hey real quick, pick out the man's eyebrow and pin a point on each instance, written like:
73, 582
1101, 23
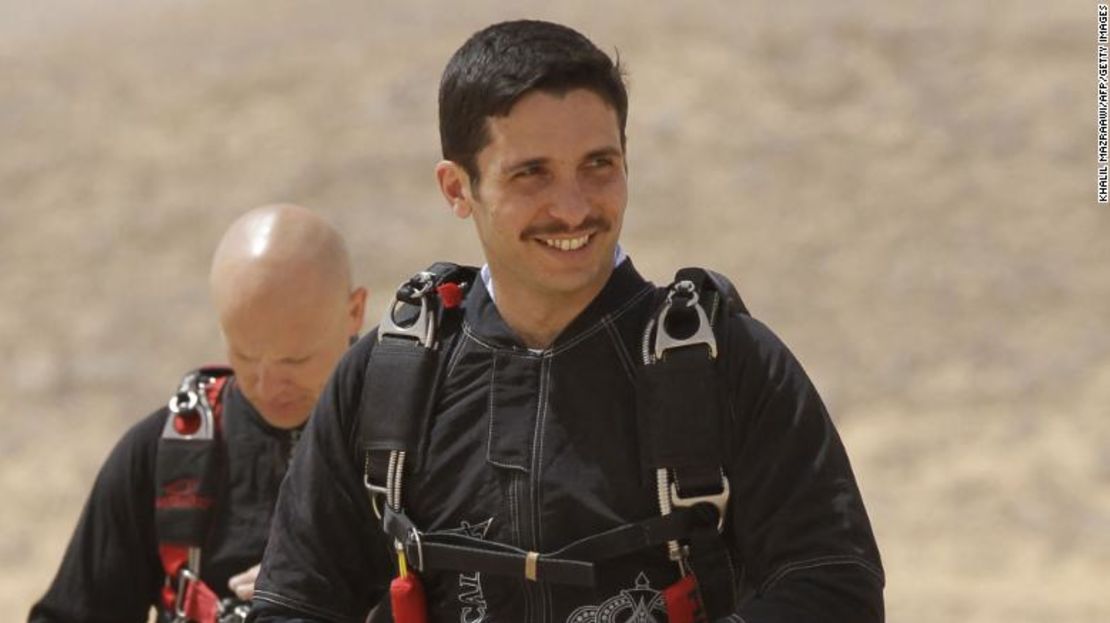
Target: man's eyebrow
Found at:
607, 151
525, 163
610, 151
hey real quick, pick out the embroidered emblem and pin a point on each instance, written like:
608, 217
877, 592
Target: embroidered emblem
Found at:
641, 604
471, 599
183, 493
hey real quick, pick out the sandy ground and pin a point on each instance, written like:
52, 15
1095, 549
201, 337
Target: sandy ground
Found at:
904, 191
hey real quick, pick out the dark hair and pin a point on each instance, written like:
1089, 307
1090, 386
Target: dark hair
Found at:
500, 64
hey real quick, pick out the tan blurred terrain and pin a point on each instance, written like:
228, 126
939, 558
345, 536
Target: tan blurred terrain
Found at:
904, 192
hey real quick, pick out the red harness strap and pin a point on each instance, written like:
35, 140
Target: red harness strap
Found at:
199, 604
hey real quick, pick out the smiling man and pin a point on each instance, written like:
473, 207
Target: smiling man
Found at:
280, 281
564, 441
548, 209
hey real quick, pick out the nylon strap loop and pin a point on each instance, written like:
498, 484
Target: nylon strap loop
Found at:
530, 561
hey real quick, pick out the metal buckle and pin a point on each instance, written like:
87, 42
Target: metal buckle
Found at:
423, 328
376, 493
419, 550
233, 611
183, 401
190, 396
664, 341
719, 500
425, 280
185, 577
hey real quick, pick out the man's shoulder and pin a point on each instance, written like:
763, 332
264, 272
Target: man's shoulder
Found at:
342, 396
129, 466
758, 354
143, 435
750, 339
749, 330
138, 446
357, 356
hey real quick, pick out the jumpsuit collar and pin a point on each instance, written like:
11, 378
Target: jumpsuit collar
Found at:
236, 402
487, 325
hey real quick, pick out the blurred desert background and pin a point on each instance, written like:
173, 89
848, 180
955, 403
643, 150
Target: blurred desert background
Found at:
904, 191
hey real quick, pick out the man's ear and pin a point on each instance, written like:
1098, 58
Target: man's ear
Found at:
454, 184
356, 311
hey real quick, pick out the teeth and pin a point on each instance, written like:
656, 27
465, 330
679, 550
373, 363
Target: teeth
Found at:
567, 244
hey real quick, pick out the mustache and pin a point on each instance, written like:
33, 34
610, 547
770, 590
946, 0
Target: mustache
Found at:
592, 223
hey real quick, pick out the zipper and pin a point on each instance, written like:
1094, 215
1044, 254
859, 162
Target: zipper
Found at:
294, 437
535, 590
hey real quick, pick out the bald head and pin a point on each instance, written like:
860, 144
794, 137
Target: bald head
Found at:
278, 247
281, 285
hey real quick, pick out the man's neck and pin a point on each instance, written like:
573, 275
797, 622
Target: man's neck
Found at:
538, 318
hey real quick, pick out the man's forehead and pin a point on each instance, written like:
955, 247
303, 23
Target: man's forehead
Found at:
278, 333
542, 122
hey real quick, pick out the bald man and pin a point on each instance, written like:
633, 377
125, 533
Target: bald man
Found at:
281, 286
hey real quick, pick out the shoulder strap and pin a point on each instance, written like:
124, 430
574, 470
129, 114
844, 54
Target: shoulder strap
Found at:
403, 374
187, 483
683, 424
716, 291
680, 396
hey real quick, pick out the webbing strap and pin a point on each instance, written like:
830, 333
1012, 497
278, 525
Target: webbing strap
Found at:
629, 538
710, 564
198, 603
187, 480
399, 379
186, 468
684, 425
403, 372
173, 558
574, 564
680, 416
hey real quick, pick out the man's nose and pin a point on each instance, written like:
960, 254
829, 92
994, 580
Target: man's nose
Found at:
271, 379
570, 205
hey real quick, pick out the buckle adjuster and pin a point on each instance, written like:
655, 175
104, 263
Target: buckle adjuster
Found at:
718, 500
417, 562
185, 578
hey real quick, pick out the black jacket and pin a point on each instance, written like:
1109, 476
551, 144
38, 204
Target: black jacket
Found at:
539, 449
111, 571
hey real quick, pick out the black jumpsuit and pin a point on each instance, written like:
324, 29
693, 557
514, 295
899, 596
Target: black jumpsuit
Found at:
111, 571
539, 449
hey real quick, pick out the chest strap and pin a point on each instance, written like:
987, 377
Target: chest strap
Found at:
573, 565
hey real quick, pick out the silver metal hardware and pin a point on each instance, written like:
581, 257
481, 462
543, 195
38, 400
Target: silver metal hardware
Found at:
719, 500
664, 341
423, 328
190, 397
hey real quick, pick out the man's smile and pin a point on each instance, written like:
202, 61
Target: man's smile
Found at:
567, 244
